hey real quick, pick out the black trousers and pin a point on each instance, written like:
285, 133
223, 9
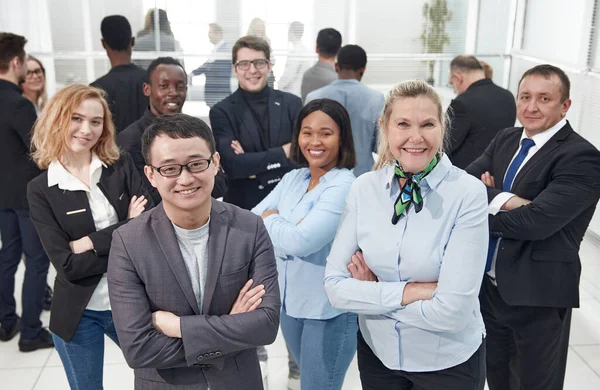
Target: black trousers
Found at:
374, 375
18, 236
526, 346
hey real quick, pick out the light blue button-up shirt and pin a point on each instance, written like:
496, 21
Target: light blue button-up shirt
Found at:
364, 105
446, 243
302, 234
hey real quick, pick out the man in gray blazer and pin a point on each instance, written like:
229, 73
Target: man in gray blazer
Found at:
193, 282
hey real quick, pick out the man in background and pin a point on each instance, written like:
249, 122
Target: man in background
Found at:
297, 62
329, 42
18, 235
364, 104
478, 113
217, 69
124, 82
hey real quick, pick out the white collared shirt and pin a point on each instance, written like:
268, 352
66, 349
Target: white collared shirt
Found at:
103, 213
496, 204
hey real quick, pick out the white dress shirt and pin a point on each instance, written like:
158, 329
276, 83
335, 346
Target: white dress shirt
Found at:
503, 197
103, 213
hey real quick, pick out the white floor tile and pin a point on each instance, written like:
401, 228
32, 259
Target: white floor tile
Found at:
579, 375
585, 325
11, 357
590, 355
19, 378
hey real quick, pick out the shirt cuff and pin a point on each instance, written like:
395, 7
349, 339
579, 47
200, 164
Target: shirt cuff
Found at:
497, 203
391, 294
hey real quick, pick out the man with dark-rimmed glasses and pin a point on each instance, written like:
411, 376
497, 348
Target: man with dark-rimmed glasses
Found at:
193, 283
253, 126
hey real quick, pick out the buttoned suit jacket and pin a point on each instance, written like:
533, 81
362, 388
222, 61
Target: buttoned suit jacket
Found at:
147, 273
538, 257
255, 173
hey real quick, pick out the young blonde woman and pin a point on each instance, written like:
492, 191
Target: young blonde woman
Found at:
87, 190
410, 253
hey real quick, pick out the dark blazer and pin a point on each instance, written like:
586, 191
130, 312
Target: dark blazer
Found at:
17, 116
476, 117
255, 173
123, 85
538, 257
54, 213
147, 273
218, 77
130, 140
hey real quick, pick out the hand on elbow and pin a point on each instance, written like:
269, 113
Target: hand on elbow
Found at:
82, 245
359, 269
515, 202
248, 299
167, 323
415, 291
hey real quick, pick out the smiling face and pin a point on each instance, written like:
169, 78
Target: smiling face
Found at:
252, 79
319, 140
188, 191
539, 103
34, 79
167, 89
87, 124
414, 132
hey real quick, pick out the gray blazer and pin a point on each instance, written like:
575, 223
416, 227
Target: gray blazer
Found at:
146, 273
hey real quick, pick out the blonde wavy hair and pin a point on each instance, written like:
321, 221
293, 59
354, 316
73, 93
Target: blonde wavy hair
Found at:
406, 89
49, 140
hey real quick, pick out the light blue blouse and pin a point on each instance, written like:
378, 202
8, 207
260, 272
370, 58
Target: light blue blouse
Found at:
446, 243
302, 234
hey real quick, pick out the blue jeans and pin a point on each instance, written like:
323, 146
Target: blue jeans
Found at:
19, 236
323, 349
83, 356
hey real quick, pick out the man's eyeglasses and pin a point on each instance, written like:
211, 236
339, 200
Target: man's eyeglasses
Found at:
258, 64
38, 72
174, 170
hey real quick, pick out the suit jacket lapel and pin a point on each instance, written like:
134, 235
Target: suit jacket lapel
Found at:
275, 102
504, 158
548, 147
217, 239
248, 126
165, 235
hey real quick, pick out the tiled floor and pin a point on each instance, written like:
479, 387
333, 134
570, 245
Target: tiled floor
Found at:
42, 370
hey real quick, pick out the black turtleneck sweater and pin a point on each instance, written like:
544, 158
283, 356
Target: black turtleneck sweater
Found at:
259, 105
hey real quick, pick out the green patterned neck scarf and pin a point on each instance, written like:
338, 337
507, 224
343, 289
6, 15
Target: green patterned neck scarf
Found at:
411, 190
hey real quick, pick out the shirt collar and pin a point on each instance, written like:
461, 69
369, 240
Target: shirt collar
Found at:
326, 177
430, 181
219, 44
66, 181
541, 138
345, 81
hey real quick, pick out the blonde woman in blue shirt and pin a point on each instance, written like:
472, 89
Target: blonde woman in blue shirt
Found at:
302, 215
410, 253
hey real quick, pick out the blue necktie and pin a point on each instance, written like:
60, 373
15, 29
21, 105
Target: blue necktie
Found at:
526, 144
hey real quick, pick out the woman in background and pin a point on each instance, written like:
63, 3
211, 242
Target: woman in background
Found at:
34, 86
86, 192
302, 214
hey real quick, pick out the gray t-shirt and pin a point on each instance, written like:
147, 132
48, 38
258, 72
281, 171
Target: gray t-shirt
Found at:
320, 75
194, 249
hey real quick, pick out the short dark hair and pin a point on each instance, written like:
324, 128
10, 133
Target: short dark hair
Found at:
337, 112
176, 126
329, 41
352, 57
547, 71
466, 63
162, 61
251, 42
116, 32
11, 46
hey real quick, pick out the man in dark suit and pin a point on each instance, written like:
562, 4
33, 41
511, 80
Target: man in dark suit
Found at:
480, 110
253, 126
167, 90
217, 69
123, 84
180, 274
18, 235
543, 184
